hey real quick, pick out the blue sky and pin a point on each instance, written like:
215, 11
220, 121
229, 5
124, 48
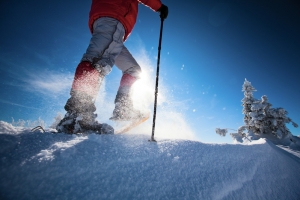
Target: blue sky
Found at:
208, 49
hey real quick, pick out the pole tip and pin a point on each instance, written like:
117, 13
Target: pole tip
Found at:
152, 139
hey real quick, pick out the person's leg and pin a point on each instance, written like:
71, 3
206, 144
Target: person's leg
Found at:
131, 72
106, 43
127, 64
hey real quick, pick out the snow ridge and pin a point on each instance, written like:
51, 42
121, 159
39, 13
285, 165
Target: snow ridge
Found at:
59, 166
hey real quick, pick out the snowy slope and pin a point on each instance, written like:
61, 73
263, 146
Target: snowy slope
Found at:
56, 166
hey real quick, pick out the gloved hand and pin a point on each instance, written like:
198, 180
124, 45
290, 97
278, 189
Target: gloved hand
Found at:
163, 11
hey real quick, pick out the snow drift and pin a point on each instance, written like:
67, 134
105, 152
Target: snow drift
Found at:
38, 165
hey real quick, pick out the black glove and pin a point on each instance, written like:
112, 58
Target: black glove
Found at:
163, 11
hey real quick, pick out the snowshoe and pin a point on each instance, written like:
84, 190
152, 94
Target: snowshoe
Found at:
73, 124
127, 126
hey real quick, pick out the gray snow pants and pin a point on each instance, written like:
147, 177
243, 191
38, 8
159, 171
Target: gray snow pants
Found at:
106, 48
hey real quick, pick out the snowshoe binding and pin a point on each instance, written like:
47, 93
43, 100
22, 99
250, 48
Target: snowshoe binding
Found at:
73, 124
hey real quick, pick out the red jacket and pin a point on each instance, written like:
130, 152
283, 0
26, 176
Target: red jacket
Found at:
125, 11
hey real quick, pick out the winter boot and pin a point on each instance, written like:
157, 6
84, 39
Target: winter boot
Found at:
80, 107
80, 112
124, 110
80, 117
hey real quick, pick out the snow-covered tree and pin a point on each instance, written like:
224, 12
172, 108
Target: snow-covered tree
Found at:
260, 119
248, 100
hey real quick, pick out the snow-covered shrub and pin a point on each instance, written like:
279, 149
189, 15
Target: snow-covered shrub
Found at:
7, 128
57, 119
221, 132
28, 124
260, 119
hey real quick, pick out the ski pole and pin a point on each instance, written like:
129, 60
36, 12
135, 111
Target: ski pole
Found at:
157, 76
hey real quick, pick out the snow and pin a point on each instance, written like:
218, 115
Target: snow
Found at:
37, 165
